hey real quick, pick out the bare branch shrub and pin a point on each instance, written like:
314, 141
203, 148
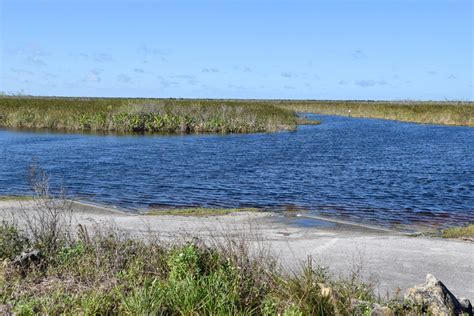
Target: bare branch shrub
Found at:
48, 219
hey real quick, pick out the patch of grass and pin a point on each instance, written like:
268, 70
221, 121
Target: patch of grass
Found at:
428, 112
144, 115
306, 121
199, 211
459, 232
15, 198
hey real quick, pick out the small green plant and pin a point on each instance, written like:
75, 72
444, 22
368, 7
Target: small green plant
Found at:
12, 241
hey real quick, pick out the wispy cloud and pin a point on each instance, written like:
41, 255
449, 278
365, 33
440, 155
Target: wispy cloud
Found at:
342, 82
166, 83
93, 76
35, 60
214, 70
286, 74
236, 87
97, 57
359, 54
153, 52
432, 72
20, 71
451, 76
49, 75
243, 69
370, 83
147, 50
30, 54
189, 79
184, 76
139, 70
124, 78
289, 87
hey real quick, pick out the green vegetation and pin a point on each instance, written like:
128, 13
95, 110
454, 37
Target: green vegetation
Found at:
447, 113
305, 121
144, 115
209, 116
104, 272
200, 211
459, 232
15, 198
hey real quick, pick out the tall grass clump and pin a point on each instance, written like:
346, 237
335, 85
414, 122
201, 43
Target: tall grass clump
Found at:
143, 115
466, 232
429, 112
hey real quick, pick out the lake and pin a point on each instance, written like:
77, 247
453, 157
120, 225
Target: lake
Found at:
366, 170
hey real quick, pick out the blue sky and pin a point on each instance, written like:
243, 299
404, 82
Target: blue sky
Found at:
406, 49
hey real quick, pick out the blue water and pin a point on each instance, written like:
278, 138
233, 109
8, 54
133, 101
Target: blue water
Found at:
377, 171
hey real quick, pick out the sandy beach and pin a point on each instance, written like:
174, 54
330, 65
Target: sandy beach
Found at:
391, 258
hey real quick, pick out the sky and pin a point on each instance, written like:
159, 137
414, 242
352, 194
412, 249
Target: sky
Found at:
387, 50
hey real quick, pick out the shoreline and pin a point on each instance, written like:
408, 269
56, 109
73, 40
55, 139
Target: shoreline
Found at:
319, 221
394, 259
97, 208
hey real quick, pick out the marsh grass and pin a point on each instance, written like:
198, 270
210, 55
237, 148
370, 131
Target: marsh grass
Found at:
303, 120
459, 232
143, 115
200, 211
209, 116
428, 112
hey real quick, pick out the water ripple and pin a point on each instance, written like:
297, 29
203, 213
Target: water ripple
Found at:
383, 172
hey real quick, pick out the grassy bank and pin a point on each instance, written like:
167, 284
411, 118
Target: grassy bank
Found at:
144, 115
446, 113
